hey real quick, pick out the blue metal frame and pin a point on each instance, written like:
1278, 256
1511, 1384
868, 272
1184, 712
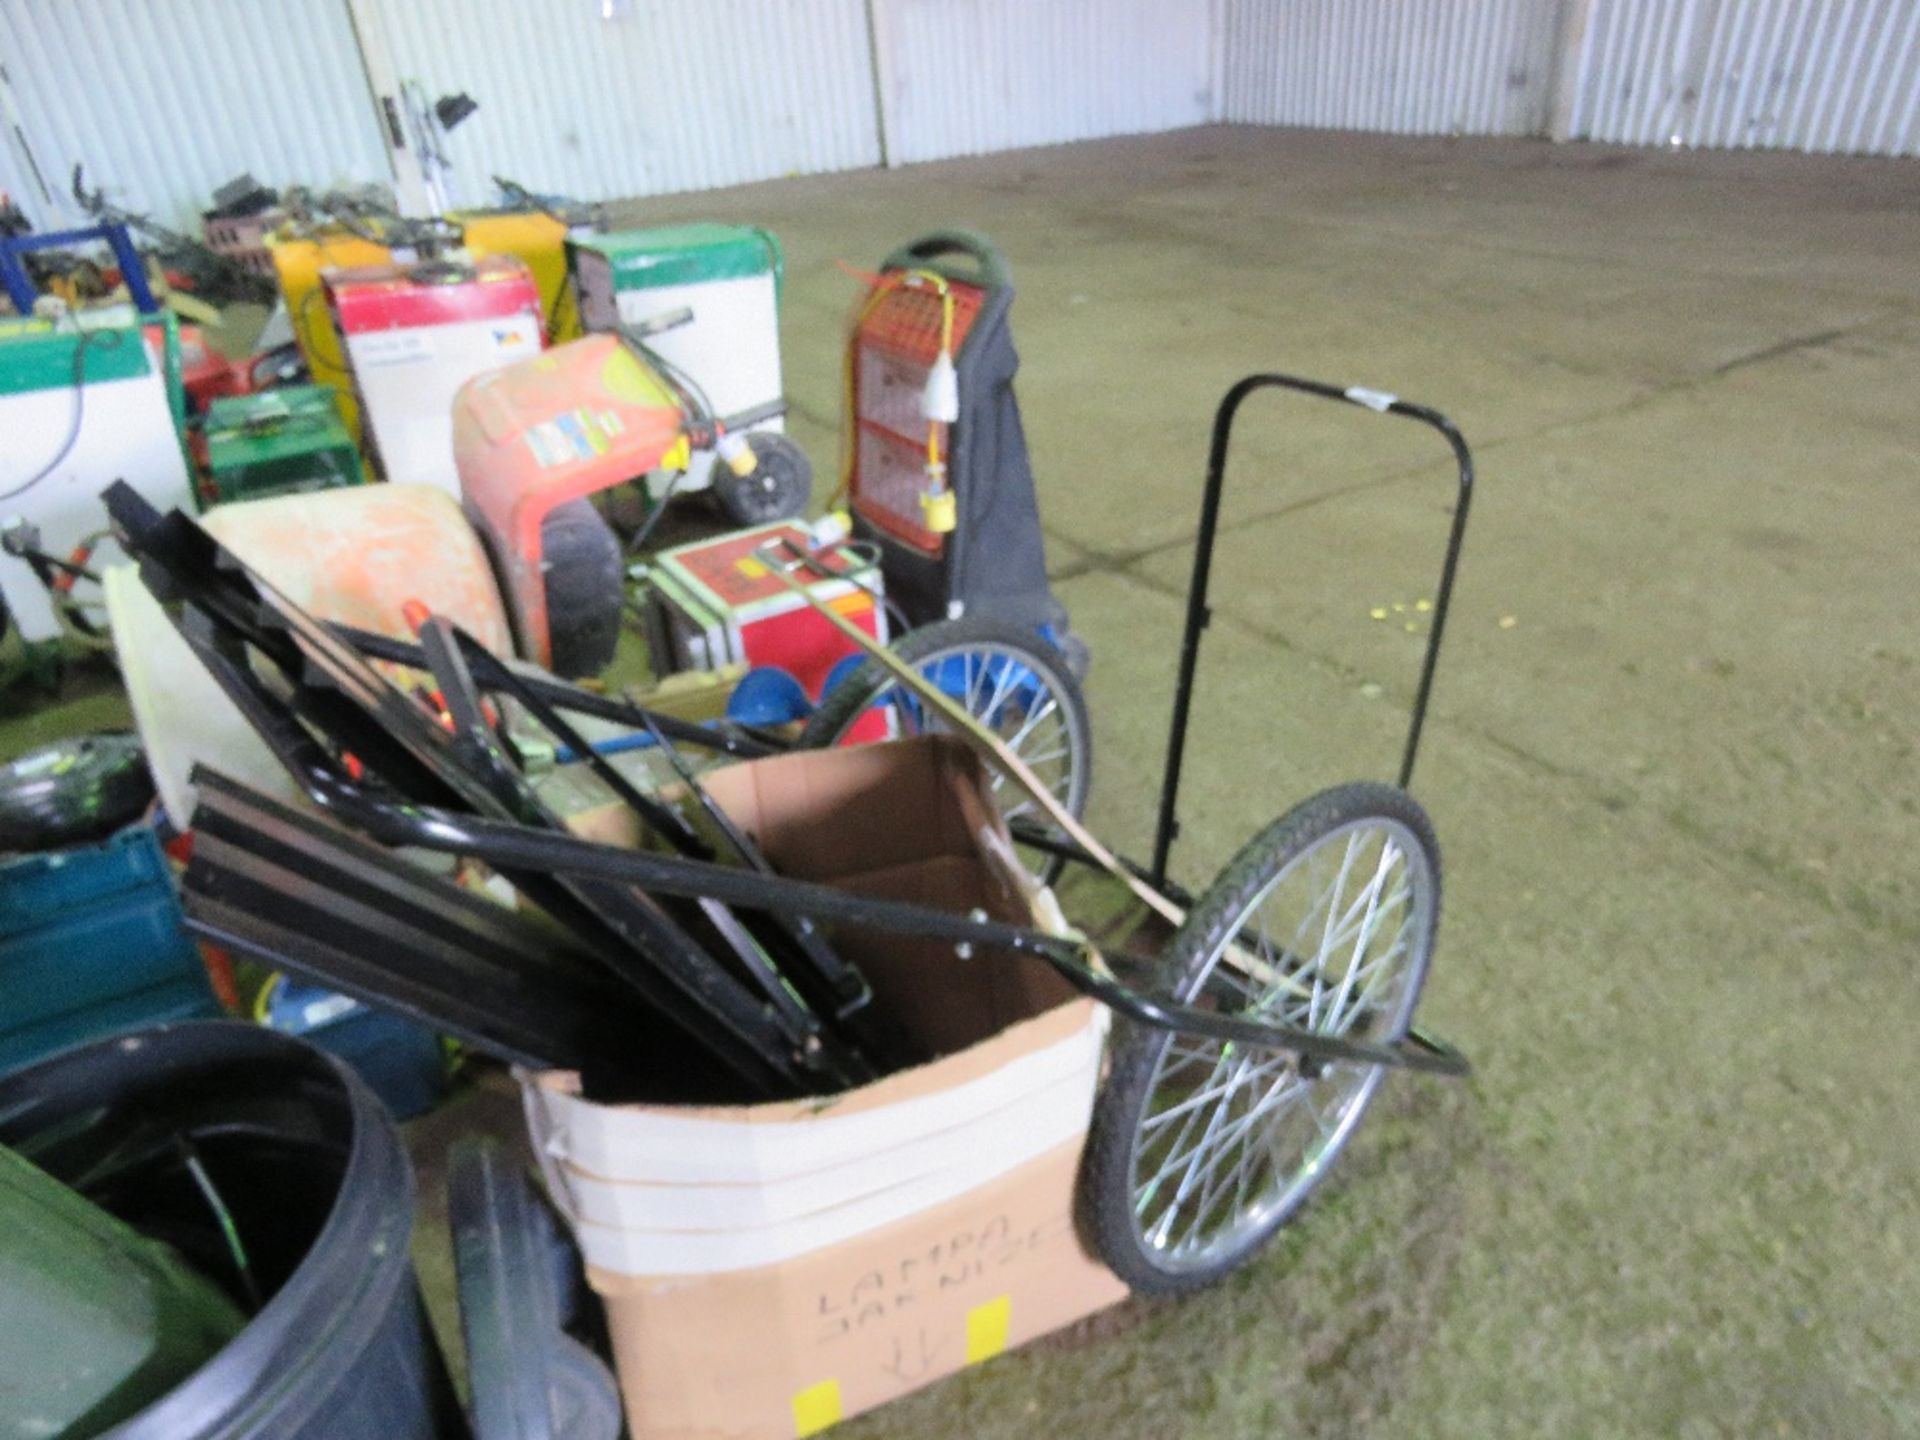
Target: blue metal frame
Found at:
20, 287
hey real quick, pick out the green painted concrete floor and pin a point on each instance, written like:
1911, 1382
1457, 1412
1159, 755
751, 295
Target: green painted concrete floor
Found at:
1670, 761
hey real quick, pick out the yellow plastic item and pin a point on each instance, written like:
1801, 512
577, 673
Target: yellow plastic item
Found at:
679, 455
941, 513
743, 461
297, 264
987, 1327
817, 1408
541, 241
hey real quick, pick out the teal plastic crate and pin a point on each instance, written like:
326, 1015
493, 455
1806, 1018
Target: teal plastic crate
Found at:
91, 944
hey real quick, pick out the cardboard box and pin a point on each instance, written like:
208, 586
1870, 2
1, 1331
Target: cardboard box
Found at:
768, 1270
787, 1350
672, 1191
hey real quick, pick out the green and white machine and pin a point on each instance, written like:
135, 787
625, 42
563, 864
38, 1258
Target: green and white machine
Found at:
729, 277
82, 403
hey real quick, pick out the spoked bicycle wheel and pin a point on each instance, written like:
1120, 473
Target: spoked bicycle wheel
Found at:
1201, 1149
1009, 679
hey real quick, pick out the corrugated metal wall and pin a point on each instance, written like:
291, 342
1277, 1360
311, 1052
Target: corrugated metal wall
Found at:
666, 95
1822, 75
961, 77
162, 102
1415, 67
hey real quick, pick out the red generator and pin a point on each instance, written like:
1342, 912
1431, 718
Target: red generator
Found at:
413, 335
936, 467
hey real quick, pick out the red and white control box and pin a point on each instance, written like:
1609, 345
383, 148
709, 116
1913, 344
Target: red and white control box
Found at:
714, 603
413, 335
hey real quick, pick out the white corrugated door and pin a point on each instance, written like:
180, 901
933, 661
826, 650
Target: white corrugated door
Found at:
164, 101
1821, 75
597, 99
1414, 67
963, 77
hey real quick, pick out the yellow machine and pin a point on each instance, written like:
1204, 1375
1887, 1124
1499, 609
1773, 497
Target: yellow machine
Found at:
541, 241
538, 239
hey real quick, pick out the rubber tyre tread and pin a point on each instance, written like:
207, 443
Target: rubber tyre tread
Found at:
1105, 1199
585, 576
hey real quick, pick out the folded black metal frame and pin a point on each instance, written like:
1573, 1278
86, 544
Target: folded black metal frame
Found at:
823, 980
305, 895
459, 794
231, 618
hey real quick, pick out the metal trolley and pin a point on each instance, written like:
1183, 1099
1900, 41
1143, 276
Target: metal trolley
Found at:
1249, 1048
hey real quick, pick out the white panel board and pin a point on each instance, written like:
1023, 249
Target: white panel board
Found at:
1413, 67
1820, 75
963, 77
597, 99
164, 101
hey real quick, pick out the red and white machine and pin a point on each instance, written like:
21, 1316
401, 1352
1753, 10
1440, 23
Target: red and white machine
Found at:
413, 335
712, 603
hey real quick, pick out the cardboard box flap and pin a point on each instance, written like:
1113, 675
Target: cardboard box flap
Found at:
828, 814
901, 820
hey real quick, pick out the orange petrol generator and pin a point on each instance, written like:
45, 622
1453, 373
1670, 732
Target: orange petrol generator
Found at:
936, 469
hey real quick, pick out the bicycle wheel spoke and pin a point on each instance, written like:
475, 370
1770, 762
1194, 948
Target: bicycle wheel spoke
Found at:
1221, 1142
1034, 762
1160, 1117
1192, 1160
1386, 907
973, 673
1010, 676
1363, 1000
1242, 1145
1146, 1191
1034, 717
1237, 1085
1388, 858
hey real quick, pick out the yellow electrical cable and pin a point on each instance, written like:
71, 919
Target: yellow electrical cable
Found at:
945, 291
263, 1001
885, 286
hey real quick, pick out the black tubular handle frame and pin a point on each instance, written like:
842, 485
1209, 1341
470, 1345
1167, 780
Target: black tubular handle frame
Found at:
1200, 614
924, 252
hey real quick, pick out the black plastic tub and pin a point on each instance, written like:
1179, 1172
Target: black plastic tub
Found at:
273, 1169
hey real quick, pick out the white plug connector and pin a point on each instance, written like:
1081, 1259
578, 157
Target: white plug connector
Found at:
830, 529
941, 398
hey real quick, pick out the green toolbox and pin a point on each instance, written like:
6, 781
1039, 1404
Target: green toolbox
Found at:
278, 442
